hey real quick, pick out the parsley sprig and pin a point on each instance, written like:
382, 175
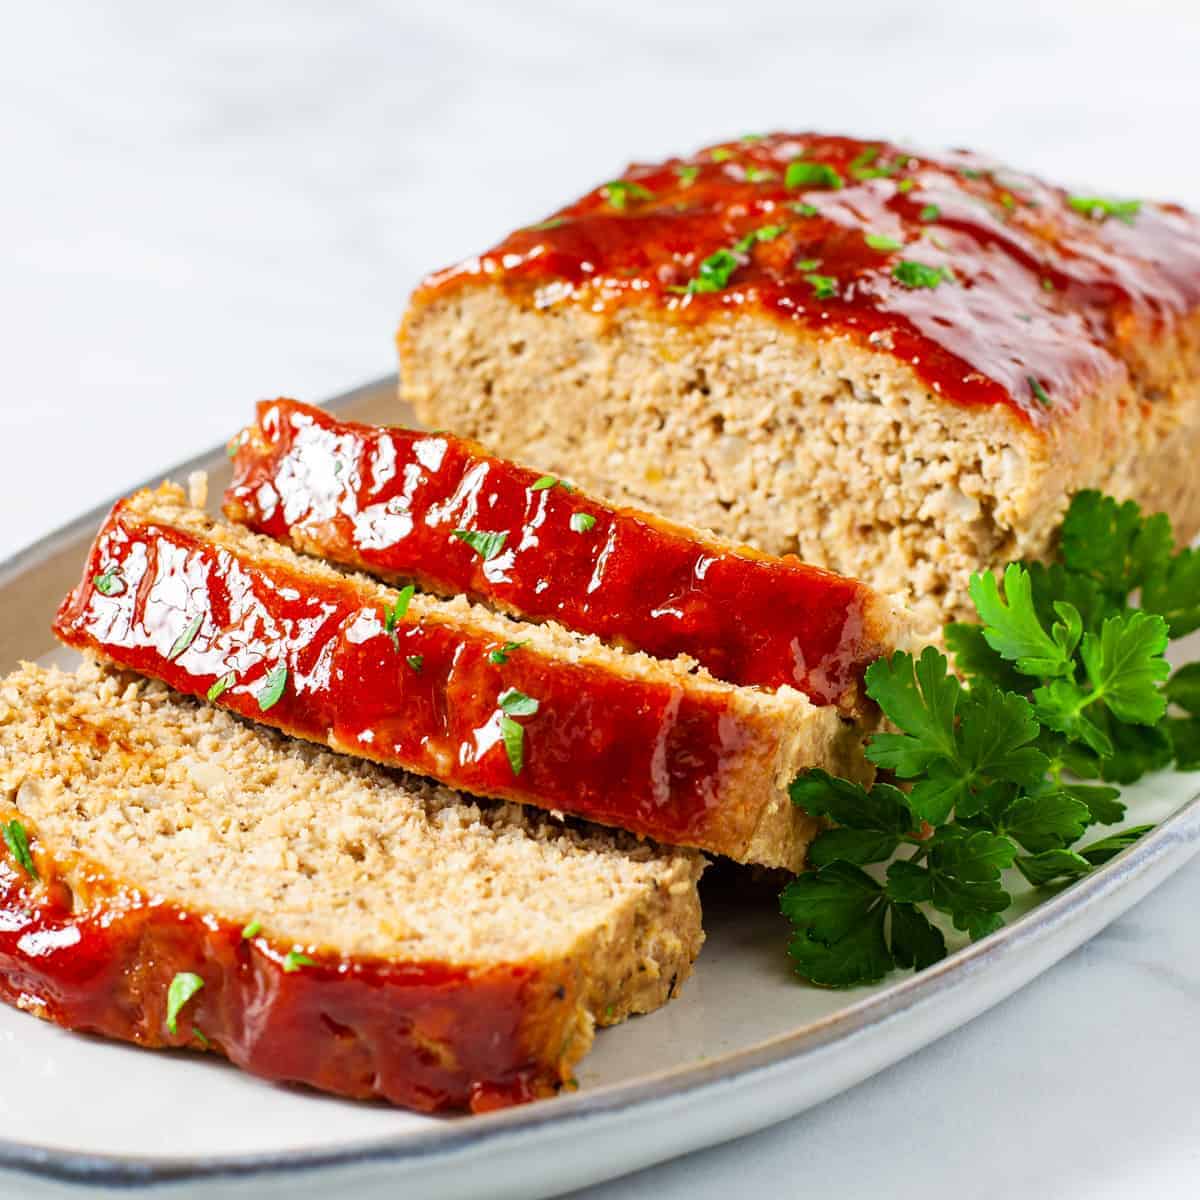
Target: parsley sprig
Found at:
1062, 680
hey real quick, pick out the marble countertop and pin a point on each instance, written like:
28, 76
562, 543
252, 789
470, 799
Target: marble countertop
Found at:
208, 205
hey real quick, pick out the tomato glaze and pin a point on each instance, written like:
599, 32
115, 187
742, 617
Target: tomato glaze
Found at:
423, 1035
1032, 289
650, 757
387, 500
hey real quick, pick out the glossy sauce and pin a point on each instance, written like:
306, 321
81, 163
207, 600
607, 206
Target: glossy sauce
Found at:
649, 757
425, 1036
1039, 292
388, 499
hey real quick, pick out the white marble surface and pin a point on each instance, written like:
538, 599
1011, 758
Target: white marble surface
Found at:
206, 204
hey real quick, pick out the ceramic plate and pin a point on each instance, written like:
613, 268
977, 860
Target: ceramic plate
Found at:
745, 1045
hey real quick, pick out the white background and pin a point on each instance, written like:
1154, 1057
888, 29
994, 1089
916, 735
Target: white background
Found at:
201, 205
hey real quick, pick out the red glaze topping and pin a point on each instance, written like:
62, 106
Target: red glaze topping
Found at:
388, 500
425, 1036
1031, 288
650, 757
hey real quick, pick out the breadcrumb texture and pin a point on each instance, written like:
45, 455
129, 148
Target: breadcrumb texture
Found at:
887, 432
457, 953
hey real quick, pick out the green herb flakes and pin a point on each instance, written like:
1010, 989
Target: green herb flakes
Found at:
687, 174
486, 543
109, 582
516, 703
500, 655
930, 212
513, 735
1098, 208
219, 688
17, 841
186, 638
294, 960
801, 173
183, 987
824, 286
273, 688
620, 192
878, 241
1039, 392
251, 930
416, 661
582, 522
918, 275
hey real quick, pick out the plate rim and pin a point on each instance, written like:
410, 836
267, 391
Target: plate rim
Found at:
782, 1053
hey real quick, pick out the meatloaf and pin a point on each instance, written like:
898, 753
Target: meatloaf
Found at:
499, 708
896, 364
394, 502
172, 876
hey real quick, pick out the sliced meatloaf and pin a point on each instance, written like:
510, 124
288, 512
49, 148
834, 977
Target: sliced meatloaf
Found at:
896, 364
499, 708
394, 502
172, 876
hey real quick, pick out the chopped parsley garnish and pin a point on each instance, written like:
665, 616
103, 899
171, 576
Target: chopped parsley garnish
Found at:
715, 272
823, 286
802, 173
748, 138
252, 929
516, 703
486, 543
861, 166
513, 734
542, 226
768, 233
807, 264
398, 611
542, 483
582, 522
272, 690
109, 583
687, 174
906, 185
721, 154
219, 688
971, 173
416, 661
295, 960
619, 192
186, 638
500, 655
806, 210
877, 241
17, 841
918, 275
930, 212
1098, 208
1047, 285
183, 987
1008, 200
1062, 680
759, 174
1039, 392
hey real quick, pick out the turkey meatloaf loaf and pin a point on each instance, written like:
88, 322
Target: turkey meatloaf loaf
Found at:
896, 364
500, 708
172, 876
406, 505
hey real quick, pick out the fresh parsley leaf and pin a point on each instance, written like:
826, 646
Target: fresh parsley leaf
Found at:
1012, 628
513, 734
916, 941
1125, 664
109, 582
1172, 589
17, 841
811, 174
1049, 821
273, 688
619, 192
1103, 803
964, 870
1112, 543
1098, 208
715, 272
930, 212
183, 987
1184, 733
1109, 847
294, 960
499, 656
975, 659
542, 483
878, 241
517, 704
186, 638
251, 929
582, 522
918, 275
873, 823
921, 698
486, 543
1052, 866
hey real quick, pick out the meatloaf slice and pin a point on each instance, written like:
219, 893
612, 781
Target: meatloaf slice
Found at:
499, 708
393, 502
172, 876
896, 364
